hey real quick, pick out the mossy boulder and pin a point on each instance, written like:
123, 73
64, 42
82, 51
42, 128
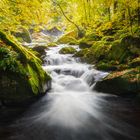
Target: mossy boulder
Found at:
97, 52
106, 66
81, 53
120, 82
22, 76
132, 43
67, 50
88, 40
23, 35
119, 52
52, 44
40, 49
67, 40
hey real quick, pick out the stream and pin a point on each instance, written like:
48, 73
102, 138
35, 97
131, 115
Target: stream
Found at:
72, 110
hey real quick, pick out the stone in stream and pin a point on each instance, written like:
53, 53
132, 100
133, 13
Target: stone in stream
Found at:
23, 35
120, 83
40, 49
21, 73
67, 50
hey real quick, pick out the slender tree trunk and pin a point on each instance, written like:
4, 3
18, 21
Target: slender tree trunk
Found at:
109, 13
85, 11
130, 19
138, 13
80, 34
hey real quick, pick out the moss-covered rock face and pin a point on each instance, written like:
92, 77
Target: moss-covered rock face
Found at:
40, 49
88, 40
121, 82
67, 50
132, 43
22, 76
23, 35
67, 40
106, 66
82, 53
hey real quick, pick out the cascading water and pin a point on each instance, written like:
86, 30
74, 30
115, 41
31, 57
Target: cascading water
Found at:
72, 110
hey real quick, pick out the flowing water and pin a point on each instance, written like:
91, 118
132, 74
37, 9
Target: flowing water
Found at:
72, 110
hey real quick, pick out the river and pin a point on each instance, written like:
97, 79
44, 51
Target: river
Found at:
72, 109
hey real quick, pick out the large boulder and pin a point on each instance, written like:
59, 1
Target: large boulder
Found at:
21, 73
23, 35
40, 49
67, 50
121, 82
88, 40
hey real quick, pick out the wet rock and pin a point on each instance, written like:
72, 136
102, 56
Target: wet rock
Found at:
23, 35
55, 31
67, 50
21, 73
40, 49
120, 83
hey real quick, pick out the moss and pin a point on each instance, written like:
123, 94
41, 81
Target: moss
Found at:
135, 62
52, 44
108, 38
67, 40
25, 67
67, 50
88, 40
81, 53
23, 35
106, 66
118, 52
121, 82
40, 49
132, 43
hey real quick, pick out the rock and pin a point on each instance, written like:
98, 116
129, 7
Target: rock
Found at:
52, 44
120, 83
67, 40
67, 50
21, 73
40, 49
88, 40
23, 35
55, 31
106, 66
81, 53
132, 43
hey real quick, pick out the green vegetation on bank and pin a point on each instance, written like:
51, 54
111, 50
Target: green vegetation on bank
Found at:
22, 76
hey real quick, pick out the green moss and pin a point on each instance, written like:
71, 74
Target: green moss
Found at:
106, 66
67, 40
52, 44
118, 52
108, 38
81, 53
67, 50
121, 82
40, 49
88, 40
24, 65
